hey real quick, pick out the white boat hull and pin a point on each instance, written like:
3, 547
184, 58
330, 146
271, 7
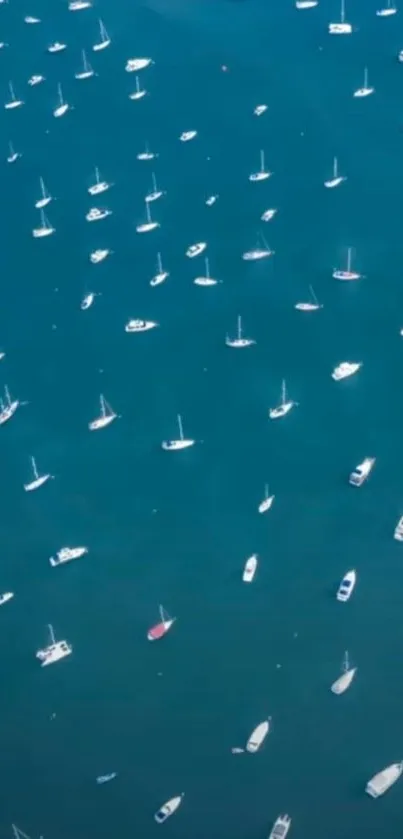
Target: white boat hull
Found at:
38, 482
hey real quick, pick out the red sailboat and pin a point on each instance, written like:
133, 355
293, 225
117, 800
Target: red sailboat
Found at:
160, 629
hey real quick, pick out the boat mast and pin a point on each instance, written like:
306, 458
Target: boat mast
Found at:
349, 260
52, 634
59, 89
346, 662
261, 160
342, 11
335, 172
180, 427
283, 393
34, 469
207, 264
239, 323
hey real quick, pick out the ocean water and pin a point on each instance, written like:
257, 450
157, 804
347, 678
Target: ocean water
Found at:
176, 528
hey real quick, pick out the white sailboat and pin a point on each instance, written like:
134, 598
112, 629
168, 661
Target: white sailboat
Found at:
239, 342
207, 280
87, 70
62, 108
285, 405
387, 10
55, 651
99, 185
181, 442
344, 681
267, 502
155, 192
78, 5
145, 227
88, 300
161, 275
45, 228
262, 175
249, 570
258, 736
341, 28
312, 305
168, 808
57, 46
107, 416
261, 251
133, 65
346, 274
8, 407
105, 39
99, 255
365, 90
13, 155
45, 198
146, 154
139, 92
268, 214
306, 4
156, 632
38, 480
13, 102
336, 179
137, 325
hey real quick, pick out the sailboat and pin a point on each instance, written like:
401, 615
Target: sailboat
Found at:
161, 275
267, 501
87, 70
365, 90
99, 186
78, 5
239, 342
63, 106
45, 198
336, 179
135, 64
145, 227
88, 300
207, 280
160, 629
55, 651
38, 480
306, 4
180, 443
262, 175
285, 405
387, 10
105, 39
139, 92
146, 154
341, 28
106, 417
344, 681
13, 102
311, 306
12, 154
8, 407
348, 274
259, 252
155, 192
45, 228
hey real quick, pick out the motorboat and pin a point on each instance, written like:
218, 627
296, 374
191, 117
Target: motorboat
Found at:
96, 214
195, 250
45, 198
99, 255
259, 110
105, 418
383, 780
13, 102
168, 808
344, 681
146, 154
211, 200
361, 472
37, 480
311, 305
57, 46
155, 192
8, 407
258, 736
336, 179
99, 185
62, 108
285, 405
13, 155
348, 274
249, 570
239, 342
346, 369
135, 64
387, 10
180, 443
78, 5
398, 533
67, 555
87, 300
346, 586
35, 79
161, 275
103, 779
268, 215
149, 224
262, 174
45, 228
4, 598
140, 325
365, 90
139, 92
105, 39
187, 135
341, 28
55, 651
87, 72
160, 629
283, 823
267, 502
207, 280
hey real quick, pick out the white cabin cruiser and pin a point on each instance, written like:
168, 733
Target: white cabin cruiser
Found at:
195, 250
344, 681
341, 28
168, 808
4, 598
398, 532
283, 823
262, 174
181, 443
336, 179
285, 405
57, 46
136, 325
259, 110
105, 418
35, 79
250, 567
346, 369
239, 342
383, 780
348, 274
135, 64
187, 135
78, 5
98, 186
55, 651
62, 108
96, 214
38, 480
268, 215
346, 586
67, 555
99, 255
365, 90
267, 502
8, 407
361, 472
258, 736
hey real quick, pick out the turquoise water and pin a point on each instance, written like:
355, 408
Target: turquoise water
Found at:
176, 529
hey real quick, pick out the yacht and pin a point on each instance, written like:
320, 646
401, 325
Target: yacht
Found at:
105, 39
346, 586
207, 280
31, 19
45, 198
57, 46
62, 108
262, 175
258, 735
239, 342
168, 808
336, 179
161, 275
87, 300
149, 224
365, 90
268, 215
383, 780
155, 192
195, 250
13, 102
139, 92
55, 651
387, 10
398, 534
8, 407
45, 228
348, 274
312, 305
35, 79
187, 135
13, 155
341, 28
258, 252
135, 64
67, 555
346, 369
98, 186
259, 110
78, 5
87, 70
361, 472
285, 405
180, 443
344, 681
146, 154
96, 214
267, 502
160, 629
105, 418
306, 4
4, 598
283, 823
211, 200
99, 255
37, 480
250, 567
140, 325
